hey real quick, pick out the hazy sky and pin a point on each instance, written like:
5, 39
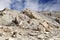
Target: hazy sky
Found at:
37, 5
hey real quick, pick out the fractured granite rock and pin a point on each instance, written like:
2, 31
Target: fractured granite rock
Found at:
29, 25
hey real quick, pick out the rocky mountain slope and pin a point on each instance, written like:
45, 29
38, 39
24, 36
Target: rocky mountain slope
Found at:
29, 25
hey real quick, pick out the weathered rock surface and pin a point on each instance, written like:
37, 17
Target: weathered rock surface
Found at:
29, 25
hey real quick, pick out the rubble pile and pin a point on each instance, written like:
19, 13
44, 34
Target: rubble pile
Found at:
29, 25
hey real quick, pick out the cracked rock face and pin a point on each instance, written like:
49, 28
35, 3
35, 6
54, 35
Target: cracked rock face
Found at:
29, 25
